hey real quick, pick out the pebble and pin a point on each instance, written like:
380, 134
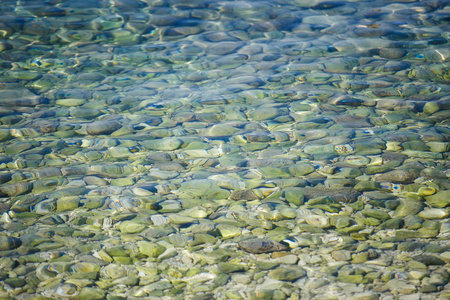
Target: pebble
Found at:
261, 245
396, 176
165, 144
433, 213
287, 273
70, 102
151, 249
408, 207
8, 243
429, 260
102, 127
441, 199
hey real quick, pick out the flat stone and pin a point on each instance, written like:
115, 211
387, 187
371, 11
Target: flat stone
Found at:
433, 213
400, 286
231, 268
408, 207
261, 245
70, 102
246, 194
396, 176
102, 127
151, 249
429, 260
9, 243
341, 255
287, 273
441, 199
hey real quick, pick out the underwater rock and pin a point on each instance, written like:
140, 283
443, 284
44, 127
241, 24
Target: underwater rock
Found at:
261, 246
102, 127
9, 243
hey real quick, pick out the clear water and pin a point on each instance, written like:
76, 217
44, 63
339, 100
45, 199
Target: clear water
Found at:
125, 121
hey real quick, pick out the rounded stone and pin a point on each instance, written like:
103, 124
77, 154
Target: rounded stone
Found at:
102, 127
395, 176
429, 260
151, 249
85, 270
67, 290
71, 102
259, 245
227, 268
245, 194
131, 227
67, 203
433, 213
9, 243
441, 199
287, 273
294, 195
408, 207
164, 144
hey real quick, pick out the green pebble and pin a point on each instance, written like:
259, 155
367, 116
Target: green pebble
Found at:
67, 203
351, 278
436, 146
426, 233
432, 225
4, 134
429, 260
15, 282
82, 234
254, 146
409, 246
413, 222
436, 248
88, 293
270, 172
441, 199
357, 205
151, 249
93, 155
368, 220
294, 195
406, 234
214, 257
360, 258
395, 223
122, 181
373, 275
9, 243
431, 107
408, 207
123, 260
429, 288
227, 268
70, 102
131, 227
364, 186
287, 273
341, 221
376, 213
117, 251
301, 169
383, 168
265, 265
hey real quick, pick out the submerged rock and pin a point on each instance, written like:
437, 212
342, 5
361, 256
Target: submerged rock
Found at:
9, 243
102, 127
261, 246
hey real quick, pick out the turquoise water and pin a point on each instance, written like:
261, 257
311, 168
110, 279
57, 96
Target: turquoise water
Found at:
224, 150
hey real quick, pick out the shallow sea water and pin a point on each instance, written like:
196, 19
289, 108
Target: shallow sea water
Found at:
286, 149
